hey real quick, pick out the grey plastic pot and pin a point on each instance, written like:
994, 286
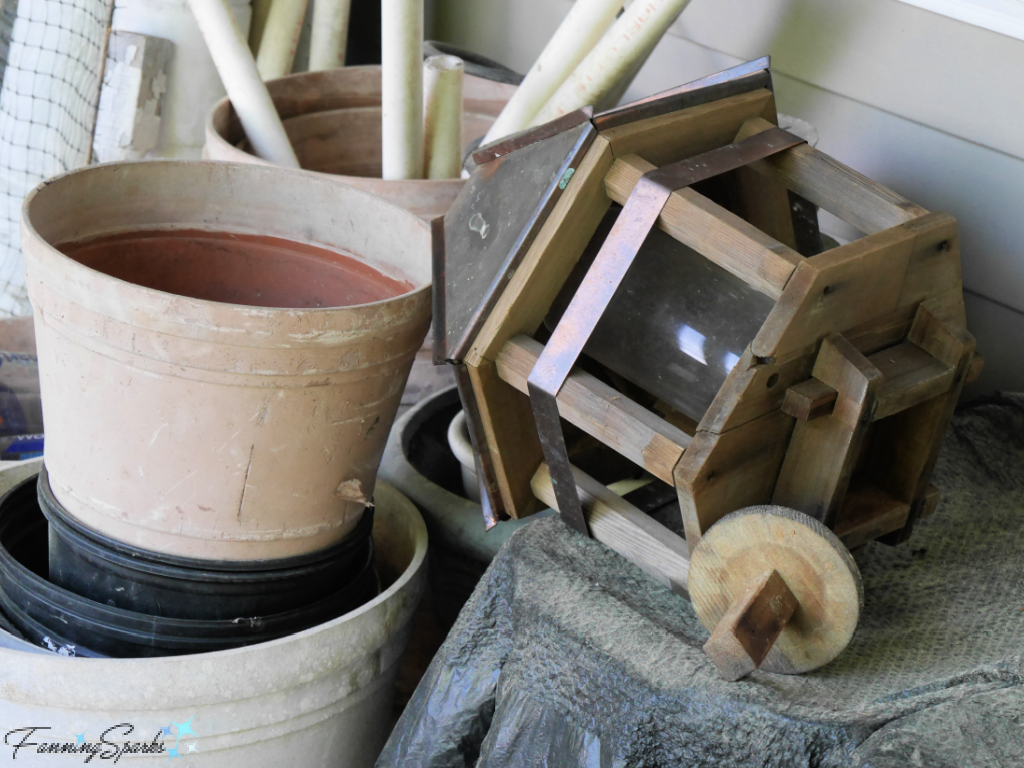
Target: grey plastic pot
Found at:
419, 462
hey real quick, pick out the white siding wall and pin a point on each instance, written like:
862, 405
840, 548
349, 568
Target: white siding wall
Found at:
927, 105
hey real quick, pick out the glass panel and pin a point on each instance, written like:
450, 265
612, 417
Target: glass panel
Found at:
677, 324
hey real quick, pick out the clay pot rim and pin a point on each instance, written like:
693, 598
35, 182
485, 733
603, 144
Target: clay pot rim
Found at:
224, 106
29, 231
222, 111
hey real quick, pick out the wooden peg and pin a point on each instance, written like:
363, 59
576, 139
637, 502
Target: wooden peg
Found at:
809, 400
751, 626
821, 454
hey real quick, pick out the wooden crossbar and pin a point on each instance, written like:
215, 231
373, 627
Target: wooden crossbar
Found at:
829, 184
602, 411
625, 529
721, 236
910, 377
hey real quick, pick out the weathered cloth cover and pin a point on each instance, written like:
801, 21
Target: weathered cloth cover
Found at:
568, 655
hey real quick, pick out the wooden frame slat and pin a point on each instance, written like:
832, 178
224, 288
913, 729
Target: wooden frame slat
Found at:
625, 529
821, 455
829, 184
550, 259
602, 411
867, 513
723, 237
678, 135
911, 376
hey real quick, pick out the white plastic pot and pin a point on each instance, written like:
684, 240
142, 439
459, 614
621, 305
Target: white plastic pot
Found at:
322, 697
462, 447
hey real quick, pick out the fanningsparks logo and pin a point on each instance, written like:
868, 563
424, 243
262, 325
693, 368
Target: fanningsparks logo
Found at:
174, 740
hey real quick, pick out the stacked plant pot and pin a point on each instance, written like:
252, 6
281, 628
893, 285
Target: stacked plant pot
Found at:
222, 351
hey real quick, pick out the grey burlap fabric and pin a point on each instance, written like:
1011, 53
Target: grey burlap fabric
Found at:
567, 655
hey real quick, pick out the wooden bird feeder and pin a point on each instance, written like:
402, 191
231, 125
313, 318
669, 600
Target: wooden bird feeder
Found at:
654, 277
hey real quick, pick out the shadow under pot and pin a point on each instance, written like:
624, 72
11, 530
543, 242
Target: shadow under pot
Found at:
107, 571
63, 621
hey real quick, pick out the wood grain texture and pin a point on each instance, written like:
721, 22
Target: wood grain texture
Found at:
506, 414
737, 246
867, 513
837, 290
601, 411
908, 443
829, 184
679, 135
625, 529
809, 400
822, 453
910, 376
932, 497
765, 204
511, 436
738, 550
719, 474
757, 385
751, 626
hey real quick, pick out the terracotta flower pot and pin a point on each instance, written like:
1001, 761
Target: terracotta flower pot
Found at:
180, 417
333, 121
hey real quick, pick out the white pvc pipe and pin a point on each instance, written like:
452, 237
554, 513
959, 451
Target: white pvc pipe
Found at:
401, 49
442, 116
630, 38
584, 25
246, 90
280, 38
329, 34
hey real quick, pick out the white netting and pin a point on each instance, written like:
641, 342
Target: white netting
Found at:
48, 102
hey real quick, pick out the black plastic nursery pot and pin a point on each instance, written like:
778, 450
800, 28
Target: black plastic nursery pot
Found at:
61, 620
108, 571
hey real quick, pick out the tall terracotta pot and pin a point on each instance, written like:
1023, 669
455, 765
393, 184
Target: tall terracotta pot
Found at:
333, 121
209, 429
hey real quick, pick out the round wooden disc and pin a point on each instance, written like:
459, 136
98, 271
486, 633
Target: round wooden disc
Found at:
818, 569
